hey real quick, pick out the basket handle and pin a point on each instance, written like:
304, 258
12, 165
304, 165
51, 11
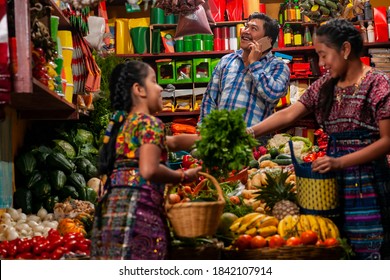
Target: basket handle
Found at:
215, 183
293, 158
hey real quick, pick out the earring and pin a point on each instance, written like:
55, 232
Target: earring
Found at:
345, 57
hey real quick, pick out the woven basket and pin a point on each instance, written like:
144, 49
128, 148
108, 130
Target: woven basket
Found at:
196, 219
317, 193
302, 252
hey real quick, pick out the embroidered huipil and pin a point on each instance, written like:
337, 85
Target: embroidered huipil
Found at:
257, 88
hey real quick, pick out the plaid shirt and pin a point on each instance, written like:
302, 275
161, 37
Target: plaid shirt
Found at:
257, 88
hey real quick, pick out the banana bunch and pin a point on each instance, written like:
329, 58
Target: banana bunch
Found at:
255, 224
295, 225
322, 10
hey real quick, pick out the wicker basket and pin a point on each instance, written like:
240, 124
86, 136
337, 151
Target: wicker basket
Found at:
302, 252
196, 219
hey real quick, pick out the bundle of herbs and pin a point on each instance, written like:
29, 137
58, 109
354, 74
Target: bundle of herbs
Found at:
224, 145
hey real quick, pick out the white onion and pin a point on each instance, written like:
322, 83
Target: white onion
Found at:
42, 213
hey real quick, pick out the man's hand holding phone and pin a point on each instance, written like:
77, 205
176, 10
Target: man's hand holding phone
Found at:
259, 48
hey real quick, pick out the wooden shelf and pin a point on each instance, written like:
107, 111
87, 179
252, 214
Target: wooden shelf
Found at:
294, 49
178, 114
43, 103
64, 23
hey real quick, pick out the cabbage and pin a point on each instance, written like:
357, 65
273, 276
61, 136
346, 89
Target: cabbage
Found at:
83, 137
64, 148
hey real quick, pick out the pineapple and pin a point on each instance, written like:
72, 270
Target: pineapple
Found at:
278, 195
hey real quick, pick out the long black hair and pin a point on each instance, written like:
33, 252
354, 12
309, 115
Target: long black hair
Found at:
122, 79
334, 34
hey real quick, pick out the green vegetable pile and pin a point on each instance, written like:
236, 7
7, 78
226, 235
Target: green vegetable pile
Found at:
224, 145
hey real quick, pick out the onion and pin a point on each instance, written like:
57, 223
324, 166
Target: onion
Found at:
42, 213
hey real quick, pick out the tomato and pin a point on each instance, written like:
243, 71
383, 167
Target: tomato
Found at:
309, 237
71, 244
3, 253
24, 246
235, 200
243, 241
331, 242
54, 243
293, 241
25, 256
57, 253
320, 243
40, 247
276, 241
258, 242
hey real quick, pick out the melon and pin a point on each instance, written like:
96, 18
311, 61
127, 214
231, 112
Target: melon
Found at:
225, 222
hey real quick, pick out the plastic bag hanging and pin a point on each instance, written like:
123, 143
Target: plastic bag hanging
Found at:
194, 23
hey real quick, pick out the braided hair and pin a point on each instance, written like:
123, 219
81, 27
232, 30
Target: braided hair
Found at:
334, 34
122, 79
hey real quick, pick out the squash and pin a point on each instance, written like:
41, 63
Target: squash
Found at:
68, 225
86, 220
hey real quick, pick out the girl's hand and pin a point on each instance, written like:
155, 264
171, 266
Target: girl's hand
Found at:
325, 164
191, 174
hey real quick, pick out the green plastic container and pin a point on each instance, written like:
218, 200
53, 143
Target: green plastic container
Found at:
166, 72
202, 70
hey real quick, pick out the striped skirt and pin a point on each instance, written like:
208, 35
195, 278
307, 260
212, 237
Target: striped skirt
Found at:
130, 225
365, 198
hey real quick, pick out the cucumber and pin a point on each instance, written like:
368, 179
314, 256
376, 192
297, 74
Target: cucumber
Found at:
282, 161
283, 156
264, 157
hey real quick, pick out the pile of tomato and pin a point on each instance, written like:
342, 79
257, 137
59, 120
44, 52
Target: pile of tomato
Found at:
52, 247
309, 237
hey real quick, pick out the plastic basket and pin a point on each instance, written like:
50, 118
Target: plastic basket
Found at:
196, 219
317, 193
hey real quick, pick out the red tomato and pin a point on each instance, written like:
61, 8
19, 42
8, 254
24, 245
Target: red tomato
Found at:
174, 198
331, 242
243, 241
293, 241
320, 243
276, 241
3, 253
24, 246
309, 237
258, 242
25, 256
235, 200
54, 243
57, 254
40, 247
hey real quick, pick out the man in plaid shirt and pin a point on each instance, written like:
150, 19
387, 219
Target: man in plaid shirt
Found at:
252, 77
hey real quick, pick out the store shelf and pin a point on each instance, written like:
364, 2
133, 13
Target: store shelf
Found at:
178, 114
294, 49
178, 54
42, 103
64, 23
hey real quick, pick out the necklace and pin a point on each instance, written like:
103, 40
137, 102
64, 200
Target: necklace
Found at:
340, 95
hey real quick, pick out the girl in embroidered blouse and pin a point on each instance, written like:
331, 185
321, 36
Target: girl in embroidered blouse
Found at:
351, 102
129, 221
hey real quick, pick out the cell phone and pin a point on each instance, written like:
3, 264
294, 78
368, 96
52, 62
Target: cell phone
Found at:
265, 43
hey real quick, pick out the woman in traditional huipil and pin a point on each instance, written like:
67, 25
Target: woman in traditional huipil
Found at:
351, 102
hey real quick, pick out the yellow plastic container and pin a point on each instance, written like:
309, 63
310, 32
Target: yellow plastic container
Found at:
69, 92
66, 38
67, 54
68, 75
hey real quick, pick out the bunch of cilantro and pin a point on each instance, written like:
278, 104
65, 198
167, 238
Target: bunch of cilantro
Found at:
224, 145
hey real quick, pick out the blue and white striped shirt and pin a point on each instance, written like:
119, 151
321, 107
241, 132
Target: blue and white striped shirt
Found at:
257, 88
